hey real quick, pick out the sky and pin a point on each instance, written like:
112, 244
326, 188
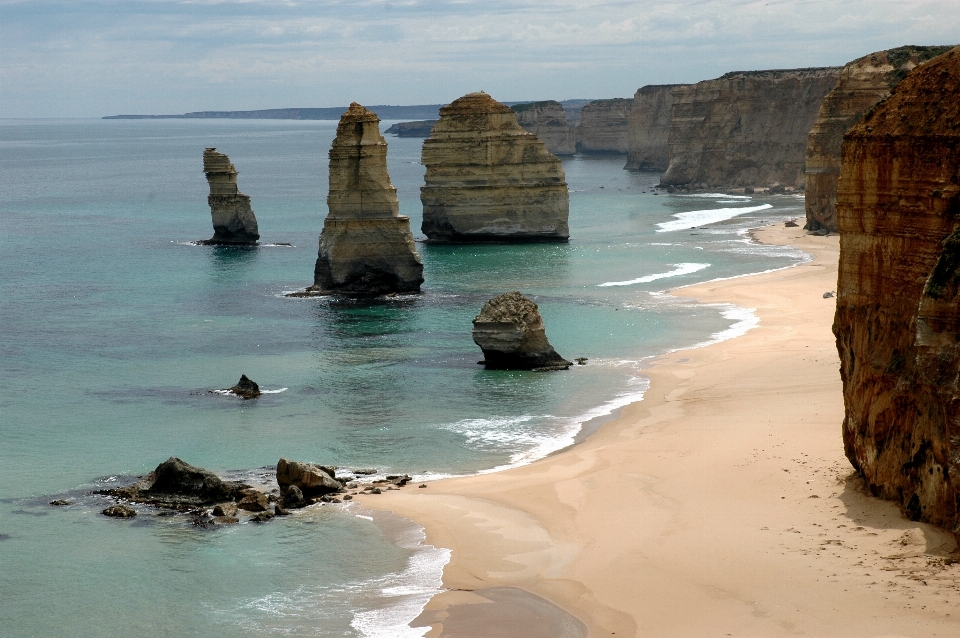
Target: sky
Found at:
89, 58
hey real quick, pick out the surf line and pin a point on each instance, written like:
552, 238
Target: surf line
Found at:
678, 269
694, 218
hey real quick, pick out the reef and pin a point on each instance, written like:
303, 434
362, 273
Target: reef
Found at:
862, 84
489, 180
233, 220
897, 322
510, 332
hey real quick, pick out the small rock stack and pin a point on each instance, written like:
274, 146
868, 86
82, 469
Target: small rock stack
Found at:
366, 247
509, 330
233, 220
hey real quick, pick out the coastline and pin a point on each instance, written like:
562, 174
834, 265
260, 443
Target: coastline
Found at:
719, 504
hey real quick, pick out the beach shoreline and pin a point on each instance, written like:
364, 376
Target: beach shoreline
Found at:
720, 504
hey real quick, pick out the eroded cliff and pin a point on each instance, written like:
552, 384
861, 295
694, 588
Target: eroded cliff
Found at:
233, 218
548, 122
648, 128
603, 126
366, 247
898, 304
862, 84
746, 128
487, 179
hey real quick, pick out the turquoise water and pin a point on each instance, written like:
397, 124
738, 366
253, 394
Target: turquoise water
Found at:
115, 327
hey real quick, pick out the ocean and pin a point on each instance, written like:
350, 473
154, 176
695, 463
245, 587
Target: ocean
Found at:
116, 327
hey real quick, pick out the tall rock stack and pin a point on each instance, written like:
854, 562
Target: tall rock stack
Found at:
862, 84
898, 304
648, 128
746, 128
603, 126
366, 247
548, 122
233, 219
488, 180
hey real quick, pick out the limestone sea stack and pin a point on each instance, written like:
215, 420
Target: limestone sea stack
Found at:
897, 322
509, 330
233, 218
603, 126
648, 128
366, 247
548, 122
488, 180
746, 128
862, 84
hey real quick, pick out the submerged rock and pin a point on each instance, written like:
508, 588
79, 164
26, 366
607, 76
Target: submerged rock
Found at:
310, 479
510, 332
488, 180
119, 511
178, 485
366, 247
233, 220
897, 322
245, 388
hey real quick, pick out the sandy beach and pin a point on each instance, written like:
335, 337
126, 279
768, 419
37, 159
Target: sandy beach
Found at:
720, 505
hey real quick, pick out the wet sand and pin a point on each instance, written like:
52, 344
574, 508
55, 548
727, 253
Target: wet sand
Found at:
720, 505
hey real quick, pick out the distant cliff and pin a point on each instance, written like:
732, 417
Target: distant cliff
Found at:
420, 128
648, 128
746, 128
862, 84
547, 120
898, 294
603, 126
387, 112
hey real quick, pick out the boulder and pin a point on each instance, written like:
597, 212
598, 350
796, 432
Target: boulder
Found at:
254, 501
225, 509
293, 497
489, 180
119, 511
245, 388
233, 219
510, 332
179, 483
310, 479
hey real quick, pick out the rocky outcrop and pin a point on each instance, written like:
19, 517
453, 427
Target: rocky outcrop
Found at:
420, 128
310, 479
179, 485
488, 180
119, 511
604, 127
510, 332
366, 247
245, 388
898, 297
548, 122
862, 84
648, 128
233, 219
745, 128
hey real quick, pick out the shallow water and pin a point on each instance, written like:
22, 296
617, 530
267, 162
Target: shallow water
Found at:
116, 328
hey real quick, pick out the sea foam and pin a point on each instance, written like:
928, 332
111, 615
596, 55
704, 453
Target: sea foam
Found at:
694, 218
679, 269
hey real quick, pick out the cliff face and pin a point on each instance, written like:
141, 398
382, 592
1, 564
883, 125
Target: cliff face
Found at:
233, 218
862, 84
898, 305
745, 128
487, 179
648, 128
548, 122
603, 126
366, 247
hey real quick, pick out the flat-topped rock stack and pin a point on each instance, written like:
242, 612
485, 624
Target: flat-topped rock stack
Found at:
862, 84
648, 128
898, 294
233, 218
548, 122
489, 180
366, 247
604, 126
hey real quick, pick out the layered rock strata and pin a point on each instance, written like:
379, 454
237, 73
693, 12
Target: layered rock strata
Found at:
648, 128
488, 180
745, 128
604, 127
233, 218
898, 296
862, 84
509, 330
548, 122
366, 247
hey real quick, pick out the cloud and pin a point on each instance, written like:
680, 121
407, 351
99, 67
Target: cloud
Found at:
98, 57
